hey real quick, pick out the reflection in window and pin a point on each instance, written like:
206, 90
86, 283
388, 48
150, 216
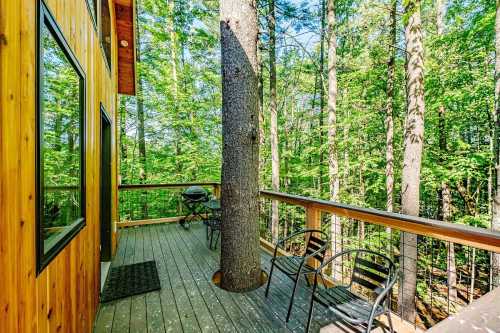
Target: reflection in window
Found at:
106, 31
60, 119
92, 6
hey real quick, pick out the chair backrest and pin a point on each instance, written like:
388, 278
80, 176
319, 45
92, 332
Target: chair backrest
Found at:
317, 241
372, 271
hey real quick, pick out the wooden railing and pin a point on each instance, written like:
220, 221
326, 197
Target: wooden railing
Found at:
475, 245
142, 204
480, 238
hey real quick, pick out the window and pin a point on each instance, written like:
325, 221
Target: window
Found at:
92, 7
60, 146
106, 31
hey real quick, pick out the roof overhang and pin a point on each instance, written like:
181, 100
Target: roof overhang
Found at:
125, 33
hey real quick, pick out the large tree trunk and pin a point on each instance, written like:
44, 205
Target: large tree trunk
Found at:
389, 117
413, 146
333, 165
240, 254
275, 158
495, 221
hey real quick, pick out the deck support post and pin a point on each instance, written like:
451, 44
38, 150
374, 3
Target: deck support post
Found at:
313, 221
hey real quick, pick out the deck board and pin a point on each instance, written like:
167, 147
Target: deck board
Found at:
188, 301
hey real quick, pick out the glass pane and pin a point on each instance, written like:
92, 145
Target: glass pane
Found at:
60, 143
106, 31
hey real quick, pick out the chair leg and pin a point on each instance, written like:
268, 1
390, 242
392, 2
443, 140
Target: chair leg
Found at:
291, 298
217, 240
269, 279
390, 321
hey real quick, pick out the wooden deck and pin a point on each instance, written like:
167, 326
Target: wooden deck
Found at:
188, 301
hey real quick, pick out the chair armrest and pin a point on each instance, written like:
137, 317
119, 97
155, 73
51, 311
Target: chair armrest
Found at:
295, 234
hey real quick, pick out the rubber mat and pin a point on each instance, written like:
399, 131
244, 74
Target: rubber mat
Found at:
129, 280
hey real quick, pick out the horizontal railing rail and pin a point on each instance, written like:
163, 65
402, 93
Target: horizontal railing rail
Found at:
485, 239
166, 185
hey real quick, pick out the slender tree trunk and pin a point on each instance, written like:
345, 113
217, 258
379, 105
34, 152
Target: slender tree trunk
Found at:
413, 146
123, 145
240, 252
389, 117
450, 247
321, 97
275, 159
141, 133
333, 165
445, 192
495, 220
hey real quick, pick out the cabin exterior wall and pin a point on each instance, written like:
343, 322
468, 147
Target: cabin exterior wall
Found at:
64, 297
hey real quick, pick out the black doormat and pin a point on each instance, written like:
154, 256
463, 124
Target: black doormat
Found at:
129, 280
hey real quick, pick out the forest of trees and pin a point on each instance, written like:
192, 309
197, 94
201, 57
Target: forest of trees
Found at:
384, 104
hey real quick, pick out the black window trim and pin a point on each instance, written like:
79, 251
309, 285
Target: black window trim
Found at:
92, 17
101, 37
45, 17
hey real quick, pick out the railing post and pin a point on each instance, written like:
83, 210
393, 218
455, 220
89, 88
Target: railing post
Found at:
217, 191
313, 221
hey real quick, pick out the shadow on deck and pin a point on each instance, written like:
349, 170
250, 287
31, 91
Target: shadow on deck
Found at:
188, 301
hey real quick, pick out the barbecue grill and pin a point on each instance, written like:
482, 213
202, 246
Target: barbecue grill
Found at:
193, 198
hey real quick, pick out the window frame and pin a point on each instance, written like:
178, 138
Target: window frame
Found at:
45, 18
93, 13
102, 37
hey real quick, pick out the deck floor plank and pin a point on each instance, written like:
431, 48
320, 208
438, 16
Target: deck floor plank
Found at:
184, 306
203, 313
224, 308
268, 323
170, 313
155, 322
121, 320
230, 301
138, 319
188, 301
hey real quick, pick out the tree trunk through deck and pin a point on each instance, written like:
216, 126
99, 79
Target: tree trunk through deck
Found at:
413, 146
240, 256
275, 158
495, 221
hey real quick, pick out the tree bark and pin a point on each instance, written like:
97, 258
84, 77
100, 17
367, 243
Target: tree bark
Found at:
495, 220
275, 158
333, 165
240, 253
413, 146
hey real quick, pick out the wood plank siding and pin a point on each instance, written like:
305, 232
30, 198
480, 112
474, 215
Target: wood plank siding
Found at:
64, 296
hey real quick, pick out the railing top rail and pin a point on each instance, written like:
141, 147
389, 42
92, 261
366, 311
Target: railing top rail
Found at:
165, 185
481, 238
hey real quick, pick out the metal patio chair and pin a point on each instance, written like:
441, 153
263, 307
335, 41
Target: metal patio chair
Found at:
366, 297
193, 198
214, 227
295, 266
